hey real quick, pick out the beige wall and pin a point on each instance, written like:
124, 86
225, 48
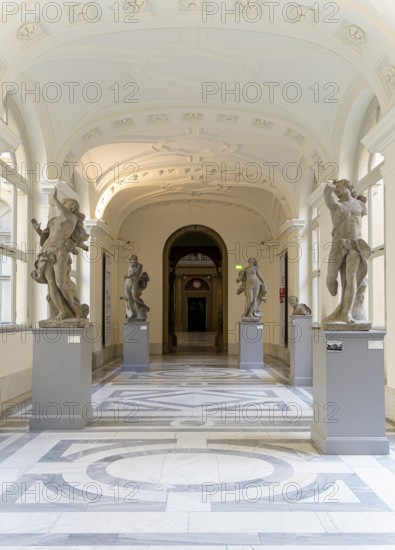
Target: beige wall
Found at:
241, 231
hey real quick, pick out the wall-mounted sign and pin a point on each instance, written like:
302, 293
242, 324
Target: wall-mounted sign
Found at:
334, 345
375, 344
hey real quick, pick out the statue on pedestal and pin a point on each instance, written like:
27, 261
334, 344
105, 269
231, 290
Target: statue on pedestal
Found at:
348, 256
136, 281
298, 309
254, 288
63, 235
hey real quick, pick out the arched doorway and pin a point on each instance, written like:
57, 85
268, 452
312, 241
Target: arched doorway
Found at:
195, 286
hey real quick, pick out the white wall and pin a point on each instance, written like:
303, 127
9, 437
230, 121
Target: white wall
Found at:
16, 352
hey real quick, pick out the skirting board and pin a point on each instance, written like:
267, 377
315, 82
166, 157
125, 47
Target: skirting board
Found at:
15, 384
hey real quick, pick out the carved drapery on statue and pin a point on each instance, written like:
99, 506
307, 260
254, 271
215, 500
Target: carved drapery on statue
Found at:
348, 257
63, 236
254, 288
136, 281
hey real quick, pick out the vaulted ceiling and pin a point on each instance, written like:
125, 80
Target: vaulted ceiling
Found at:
137, 96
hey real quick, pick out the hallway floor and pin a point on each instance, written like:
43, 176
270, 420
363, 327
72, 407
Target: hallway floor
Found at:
193, 453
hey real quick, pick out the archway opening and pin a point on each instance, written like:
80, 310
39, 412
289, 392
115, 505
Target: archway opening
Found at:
195, 291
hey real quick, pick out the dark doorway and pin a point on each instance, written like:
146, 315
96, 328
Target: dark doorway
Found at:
196, 314
195, 291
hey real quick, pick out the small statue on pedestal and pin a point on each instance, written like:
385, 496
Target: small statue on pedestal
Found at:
298, 309
63, 235
136, 281
254, 288
348, 256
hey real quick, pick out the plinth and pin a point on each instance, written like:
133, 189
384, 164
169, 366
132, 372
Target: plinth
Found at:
251, 345
62, 377
348, 390
135, 346
300, 350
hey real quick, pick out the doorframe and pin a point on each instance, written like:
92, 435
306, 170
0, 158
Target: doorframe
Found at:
167, 344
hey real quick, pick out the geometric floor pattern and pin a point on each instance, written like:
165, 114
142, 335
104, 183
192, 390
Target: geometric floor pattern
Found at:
193, 453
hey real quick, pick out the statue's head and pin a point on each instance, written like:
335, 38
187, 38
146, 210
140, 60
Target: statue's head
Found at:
252, 261
293, 301
72, 205
133, 258
344, 189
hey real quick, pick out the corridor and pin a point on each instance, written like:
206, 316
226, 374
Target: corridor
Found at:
193, 453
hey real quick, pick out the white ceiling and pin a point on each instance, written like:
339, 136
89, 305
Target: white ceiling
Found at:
164, 139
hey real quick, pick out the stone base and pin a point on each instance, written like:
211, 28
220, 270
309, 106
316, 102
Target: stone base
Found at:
62, 377
64, 323
348, 392
250, 345
301, 352
340, 326
135, 346
350, 445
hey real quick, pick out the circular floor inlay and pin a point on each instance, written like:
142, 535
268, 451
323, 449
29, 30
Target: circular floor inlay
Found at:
186, 470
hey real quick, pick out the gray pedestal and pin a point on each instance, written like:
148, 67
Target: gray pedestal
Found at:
300, 351
348, 389
251, 345
62, 377
135, 346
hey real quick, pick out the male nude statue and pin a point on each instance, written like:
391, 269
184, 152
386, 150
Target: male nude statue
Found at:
349, 252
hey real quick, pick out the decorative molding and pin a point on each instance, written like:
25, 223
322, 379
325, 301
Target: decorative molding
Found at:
262, 123
356, 35
190, 5
98, 225
91, 134
389, 74
121, 122
291, 225
28, 31
382, 135
8, 140
137, 6
158, 118
65, 191
229, 119
193, 116
295, 136
316, 198
353, 36
386, 74
300, 14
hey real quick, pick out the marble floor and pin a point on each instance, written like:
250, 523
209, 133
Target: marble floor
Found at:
192, 453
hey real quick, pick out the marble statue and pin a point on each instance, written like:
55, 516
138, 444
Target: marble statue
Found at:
348, 256
63, 235
298, 309
136, 281
254, 288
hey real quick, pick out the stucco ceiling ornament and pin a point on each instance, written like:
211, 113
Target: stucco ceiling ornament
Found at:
91, 134
122, 122
295, 136
263, 123
355, 34
27, 31
192, 5
389, 75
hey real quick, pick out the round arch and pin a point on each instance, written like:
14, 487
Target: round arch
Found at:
187, 239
